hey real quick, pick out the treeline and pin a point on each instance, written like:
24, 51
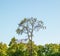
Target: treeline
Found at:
23, 49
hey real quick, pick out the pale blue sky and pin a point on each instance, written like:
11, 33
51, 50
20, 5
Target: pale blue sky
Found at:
13, 11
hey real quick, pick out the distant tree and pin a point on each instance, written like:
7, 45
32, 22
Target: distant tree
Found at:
28, 26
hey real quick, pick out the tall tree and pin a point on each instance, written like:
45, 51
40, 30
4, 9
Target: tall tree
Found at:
28, 26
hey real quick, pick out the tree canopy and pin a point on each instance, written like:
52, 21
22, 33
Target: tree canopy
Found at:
22, 49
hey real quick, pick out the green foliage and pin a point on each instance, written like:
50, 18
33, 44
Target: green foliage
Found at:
13, 41
3, 49
23, 49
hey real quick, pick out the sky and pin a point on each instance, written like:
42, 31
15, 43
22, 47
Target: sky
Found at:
13, 11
